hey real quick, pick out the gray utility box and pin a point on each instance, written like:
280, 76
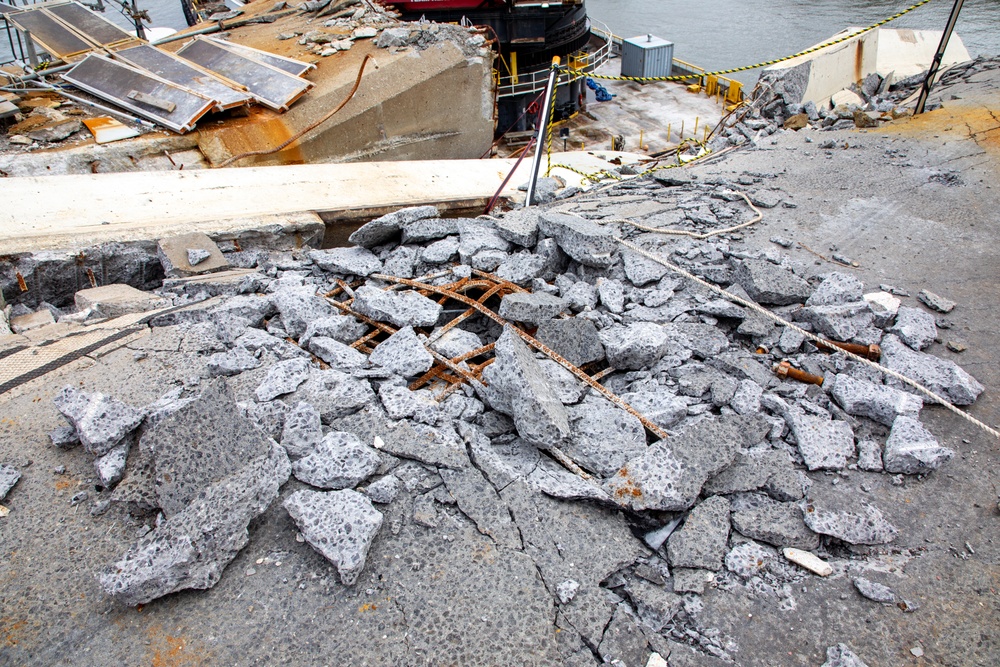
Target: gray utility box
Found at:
647, 56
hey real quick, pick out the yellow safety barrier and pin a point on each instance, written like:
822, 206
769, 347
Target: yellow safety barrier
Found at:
767, 63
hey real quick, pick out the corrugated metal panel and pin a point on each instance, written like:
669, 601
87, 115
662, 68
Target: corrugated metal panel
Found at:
184, 73
290, 65
647, 56
50, 34
272, 87
120, 84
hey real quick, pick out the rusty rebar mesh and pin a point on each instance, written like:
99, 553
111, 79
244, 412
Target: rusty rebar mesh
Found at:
474, 292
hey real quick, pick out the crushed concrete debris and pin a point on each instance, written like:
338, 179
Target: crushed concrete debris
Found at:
8, 478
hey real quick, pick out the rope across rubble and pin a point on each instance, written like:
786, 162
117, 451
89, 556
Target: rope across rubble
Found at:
775, 318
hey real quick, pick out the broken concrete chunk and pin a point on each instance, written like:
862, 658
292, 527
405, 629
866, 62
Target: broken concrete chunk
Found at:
701, 541
585, 241
298, 308
623, 640
574, 339
268, 417
402, 309
352, 261
641, 271
8, 478
611, 294
518, 387
911, 449
809, 561
874, 591
441, 251
302, 430
670, 474
383, 490
403, 353
749, 560
401, 403
282, 378
340, 525
869, 455
878, 402
771, 284
941, 376
334, 394
479, 501
553, 480
825, 444
339, 461
884, 306
336, 353
199, 444
429, 229
387, 228
935, 302
193, 547
637, 346
746, 398
521, 268
865, 527
99, 420
751, 471
687, 580
110, 468
234, 362
603, 436
519, 226
914, 327
174, 255
455, 342
476, 239
64, 437
116, 300
21, 323
197, 255
840, 322
343, 328
841, 656
566, 591
776, 523
836, 288
534, 308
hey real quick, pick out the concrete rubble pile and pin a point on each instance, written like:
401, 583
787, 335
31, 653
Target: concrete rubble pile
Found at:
728, 499
776, 103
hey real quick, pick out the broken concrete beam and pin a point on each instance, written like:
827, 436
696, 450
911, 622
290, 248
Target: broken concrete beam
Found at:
776, 523
353, 261
701, 541
192, 548
22, 323
911, 449
878, 402
340, 525
637, 346
403, 353
670, 474
914, 327
771, 284
173, 254
941, 376
8, 478
339, 461
402, 308
198, 444
603, 437
387, 228
865, 527
935, 302
533, 308
517, 387
100, 421
586, 242
116, 300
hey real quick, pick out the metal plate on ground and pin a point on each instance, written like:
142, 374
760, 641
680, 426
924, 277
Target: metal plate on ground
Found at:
118, 83
272, 87
290, 65
50, 34
184, 73
95, 28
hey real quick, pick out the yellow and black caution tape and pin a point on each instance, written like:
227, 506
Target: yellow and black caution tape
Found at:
767, 63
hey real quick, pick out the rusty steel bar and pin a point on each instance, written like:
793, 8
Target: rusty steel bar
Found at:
785, 370
544, 349
870, 352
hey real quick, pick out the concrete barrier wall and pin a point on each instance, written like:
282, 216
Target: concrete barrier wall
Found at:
834, 68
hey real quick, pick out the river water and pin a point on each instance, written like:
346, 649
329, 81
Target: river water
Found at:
720, 34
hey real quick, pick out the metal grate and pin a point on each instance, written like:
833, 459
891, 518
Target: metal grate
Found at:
51, 34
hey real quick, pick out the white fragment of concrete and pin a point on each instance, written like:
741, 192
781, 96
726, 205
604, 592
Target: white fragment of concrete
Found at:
809, 561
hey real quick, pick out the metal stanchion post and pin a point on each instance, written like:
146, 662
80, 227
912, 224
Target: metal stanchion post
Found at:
543, 124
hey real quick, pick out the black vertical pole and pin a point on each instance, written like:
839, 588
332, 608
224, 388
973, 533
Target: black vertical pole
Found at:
938, 57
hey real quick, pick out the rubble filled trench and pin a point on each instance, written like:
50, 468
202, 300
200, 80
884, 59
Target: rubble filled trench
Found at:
394, 452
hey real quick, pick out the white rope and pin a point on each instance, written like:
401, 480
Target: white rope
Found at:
811, 336
695, 235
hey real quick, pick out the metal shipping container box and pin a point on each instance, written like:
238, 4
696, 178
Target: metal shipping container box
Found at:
647, 56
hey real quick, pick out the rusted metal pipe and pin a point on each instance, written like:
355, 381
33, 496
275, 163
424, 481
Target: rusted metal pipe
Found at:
785, 370
870, 352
